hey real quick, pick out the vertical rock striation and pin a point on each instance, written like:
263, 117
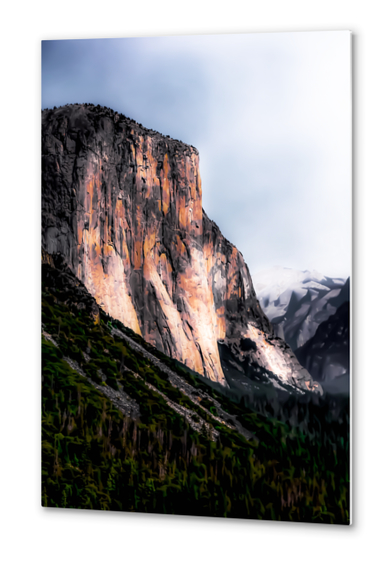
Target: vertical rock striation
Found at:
123, 204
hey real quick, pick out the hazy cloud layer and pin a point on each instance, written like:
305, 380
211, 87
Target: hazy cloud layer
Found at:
269, 113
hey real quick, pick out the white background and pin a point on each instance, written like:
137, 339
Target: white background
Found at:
31, 532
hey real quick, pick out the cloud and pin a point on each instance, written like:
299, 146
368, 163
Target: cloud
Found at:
269, 113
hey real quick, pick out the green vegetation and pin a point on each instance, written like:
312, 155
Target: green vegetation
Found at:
95, 457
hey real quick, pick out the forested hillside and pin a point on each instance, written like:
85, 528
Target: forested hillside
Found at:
125, 427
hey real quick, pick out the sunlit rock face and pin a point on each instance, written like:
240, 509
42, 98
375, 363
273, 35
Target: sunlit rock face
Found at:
123, 204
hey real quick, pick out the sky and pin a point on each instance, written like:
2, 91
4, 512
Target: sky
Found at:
270, 114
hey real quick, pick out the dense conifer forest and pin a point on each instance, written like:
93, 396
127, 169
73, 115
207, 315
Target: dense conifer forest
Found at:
123, 432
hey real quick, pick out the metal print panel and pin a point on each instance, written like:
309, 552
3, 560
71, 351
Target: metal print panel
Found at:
196, 257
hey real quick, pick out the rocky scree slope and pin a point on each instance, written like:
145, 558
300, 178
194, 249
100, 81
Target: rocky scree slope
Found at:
123, 205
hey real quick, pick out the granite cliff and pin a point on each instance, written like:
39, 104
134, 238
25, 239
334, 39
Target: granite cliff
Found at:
123, 205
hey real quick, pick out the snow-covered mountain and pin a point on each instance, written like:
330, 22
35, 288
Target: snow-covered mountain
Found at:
297, 302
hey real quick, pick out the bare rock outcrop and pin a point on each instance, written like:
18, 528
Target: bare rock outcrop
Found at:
123, 205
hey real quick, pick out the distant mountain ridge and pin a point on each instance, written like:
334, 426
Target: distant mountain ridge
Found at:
297, 302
